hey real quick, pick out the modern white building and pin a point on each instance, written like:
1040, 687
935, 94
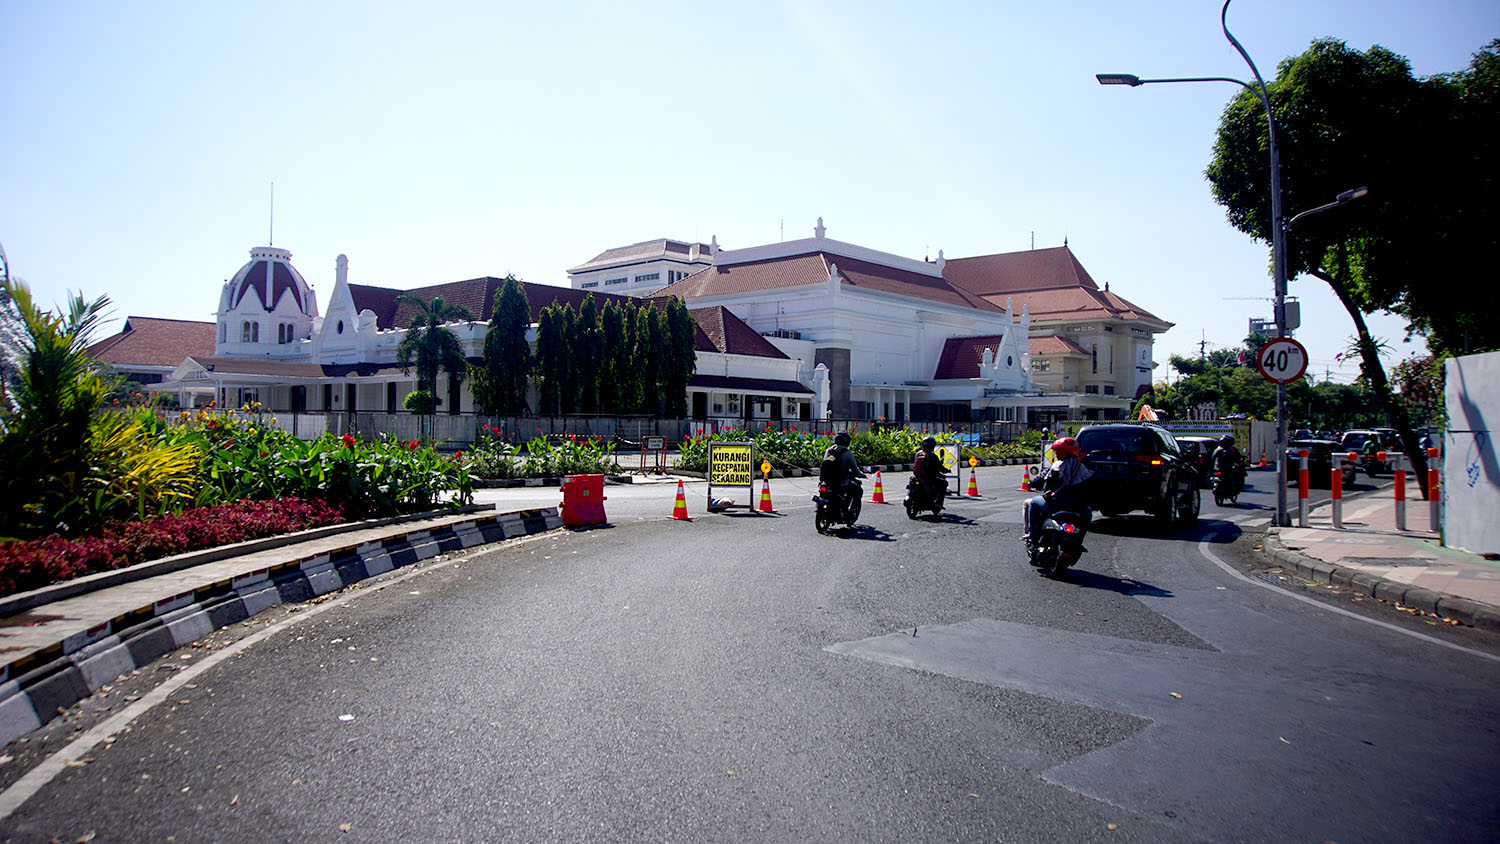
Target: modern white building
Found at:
640, 268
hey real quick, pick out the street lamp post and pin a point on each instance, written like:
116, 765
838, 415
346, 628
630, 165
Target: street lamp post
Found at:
1278, 230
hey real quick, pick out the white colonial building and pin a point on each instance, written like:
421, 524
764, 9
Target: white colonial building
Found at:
807, 329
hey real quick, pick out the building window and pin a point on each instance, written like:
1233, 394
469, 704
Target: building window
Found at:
1109, 389
674, 276
1091, 389
610, 281
244, 332
648, 277
1041, 365
1094, 356
589, 284
223, 332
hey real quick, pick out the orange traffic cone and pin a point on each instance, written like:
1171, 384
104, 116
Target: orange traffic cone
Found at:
1262, 457
879, 496
679, 510
1025, 481
973, 485
765, 497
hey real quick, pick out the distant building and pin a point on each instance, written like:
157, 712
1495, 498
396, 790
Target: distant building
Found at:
641, 267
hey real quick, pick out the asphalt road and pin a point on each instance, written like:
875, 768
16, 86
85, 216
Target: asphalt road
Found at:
741, 677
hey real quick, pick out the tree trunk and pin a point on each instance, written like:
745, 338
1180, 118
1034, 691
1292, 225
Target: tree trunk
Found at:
1370, 358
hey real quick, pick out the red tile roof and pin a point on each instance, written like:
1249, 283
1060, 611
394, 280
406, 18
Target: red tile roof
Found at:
1050, 283
147, 341
476, 294
1047, 346
961, 355
813, 268
719, 330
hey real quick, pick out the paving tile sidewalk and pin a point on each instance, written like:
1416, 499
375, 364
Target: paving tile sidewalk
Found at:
1408, 567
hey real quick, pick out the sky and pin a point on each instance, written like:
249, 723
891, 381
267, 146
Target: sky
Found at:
441, 141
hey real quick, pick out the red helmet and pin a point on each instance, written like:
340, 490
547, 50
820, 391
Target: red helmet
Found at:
1065, 447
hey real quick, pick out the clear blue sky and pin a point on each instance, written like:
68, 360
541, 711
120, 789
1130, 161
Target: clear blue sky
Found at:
444, 140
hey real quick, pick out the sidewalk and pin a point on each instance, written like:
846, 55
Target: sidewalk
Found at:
67, 645
1408, 567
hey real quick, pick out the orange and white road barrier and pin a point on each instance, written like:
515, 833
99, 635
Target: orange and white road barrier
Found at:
679, 509
973, 485
1336, 494
1025, 481
1303, 483
1398, 468
1434, 490
879, 496
765, 496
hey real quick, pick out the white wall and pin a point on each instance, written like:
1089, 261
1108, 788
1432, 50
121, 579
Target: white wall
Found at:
1471, 469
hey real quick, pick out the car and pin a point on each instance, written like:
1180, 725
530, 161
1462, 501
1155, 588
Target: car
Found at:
1385, 440
1322, 456
1200, 451
1139, 467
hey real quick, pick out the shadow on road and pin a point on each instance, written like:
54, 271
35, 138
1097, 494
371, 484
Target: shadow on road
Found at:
862, 532
1218, 531
1124, 586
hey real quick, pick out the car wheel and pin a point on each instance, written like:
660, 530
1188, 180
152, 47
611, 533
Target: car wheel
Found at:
1166, 514
1189, 513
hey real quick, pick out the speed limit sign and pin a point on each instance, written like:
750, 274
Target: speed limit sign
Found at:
1281, 361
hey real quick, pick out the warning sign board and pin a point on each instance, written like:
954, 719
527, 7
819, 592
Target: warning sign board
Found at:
731, 465
949, 453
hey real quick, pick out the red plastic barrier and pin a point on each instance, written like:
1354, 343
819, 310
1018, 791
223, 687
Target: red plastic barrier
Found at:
583, 500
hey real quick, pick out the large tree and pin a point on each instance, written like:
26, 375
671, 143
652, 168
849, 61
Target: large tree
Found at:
586, 338
680, 356
502, 376
1345, 119
429, 345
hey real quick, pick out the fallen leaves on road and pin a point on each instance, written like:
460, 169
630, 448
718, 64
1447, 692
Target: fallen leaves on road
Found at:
1112, 827
345, 827
1176, 695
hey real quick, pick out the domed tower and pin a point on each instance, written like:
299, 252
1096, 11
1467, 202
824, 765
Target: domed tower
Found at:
267, 308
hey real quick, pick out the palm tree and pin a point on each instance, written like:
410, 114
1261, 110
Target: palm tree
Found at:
428, 345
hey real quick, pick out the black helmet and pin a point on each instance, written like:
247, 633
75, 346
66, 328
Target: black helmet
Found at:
929, 443
841, 438
1227, 439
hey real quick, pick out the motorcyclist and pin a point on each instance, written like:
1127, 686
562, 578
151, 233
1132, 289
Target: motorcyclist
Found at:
1229, 462
840, 469
1064, 484
927, 468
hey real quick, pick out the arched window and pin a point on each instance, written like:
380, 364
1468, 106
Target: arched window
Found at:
280, 333
244, 332
255, 332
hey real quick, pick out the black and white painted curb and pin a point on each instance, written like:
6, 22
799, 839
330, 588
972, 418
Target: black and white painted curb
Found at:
35, 688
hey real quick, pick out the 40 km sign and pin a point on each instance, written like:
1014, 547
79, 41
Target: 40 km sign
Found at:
1282, 360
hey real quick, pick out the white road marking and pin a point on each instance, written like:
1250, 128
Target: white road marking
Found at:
34, 780
1203, 547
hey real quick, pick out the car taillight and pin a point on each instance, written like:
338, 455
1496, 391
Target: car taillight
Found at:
1147, 458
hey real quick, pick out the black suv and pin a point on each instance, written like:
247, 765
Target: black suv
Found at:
1139, 467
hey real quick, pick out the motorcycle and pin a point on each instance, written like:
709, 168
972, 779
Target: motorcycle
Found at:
921, 497
837, 506
1060, 544
1228, 485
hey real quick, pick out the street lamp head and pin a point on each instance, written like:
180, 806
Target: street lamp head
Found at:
1118, 79
1351, 195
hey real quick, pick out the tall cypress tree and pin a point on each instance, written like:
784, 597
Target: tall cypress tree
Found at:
587, 343
552, 360
681, 357
613, 363
501, 379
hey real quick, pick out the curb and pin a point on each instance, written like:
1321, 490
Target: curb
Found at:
22, 601
1463, 610
36, 687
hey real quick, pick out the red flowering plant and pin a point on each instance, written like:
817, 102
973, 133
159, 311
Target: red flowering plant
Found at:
31, 565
